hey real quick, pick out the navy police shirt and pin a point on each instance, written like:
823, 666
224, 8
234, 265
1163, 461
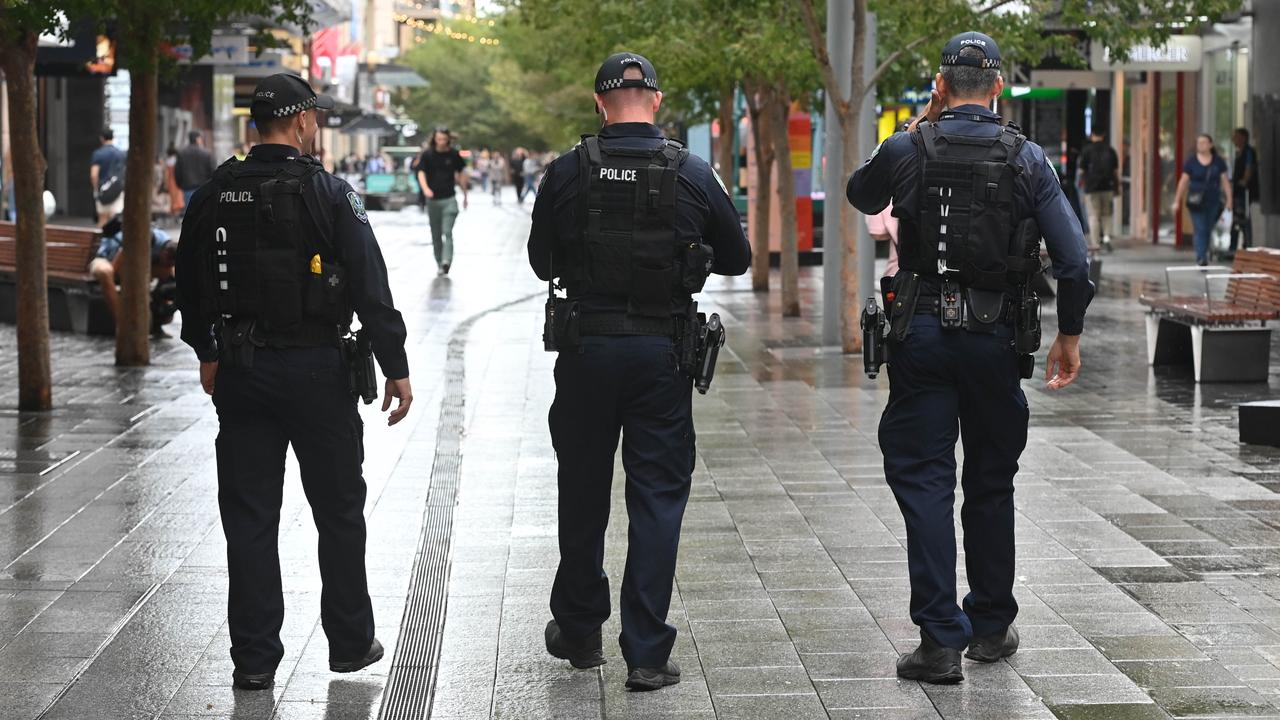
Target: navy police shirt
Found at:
704, 211
357, 247
893, 172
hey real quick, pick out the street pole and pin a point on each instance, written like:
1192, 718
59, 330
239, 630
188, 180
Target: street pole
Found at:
840, 49
866, 246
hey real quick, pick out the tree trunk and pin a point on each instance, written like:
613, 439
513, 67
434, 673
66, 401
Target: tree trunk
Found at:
789, 263
760, 212
35, 385
724, 147
850, 307
133, 327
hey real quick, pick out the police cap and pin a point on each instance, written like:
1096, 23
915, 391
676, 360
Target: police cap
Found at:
285, 94
610, 76
991, 52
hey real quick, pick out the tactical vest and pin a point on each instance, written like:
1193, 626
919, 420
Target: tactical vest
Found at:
627, 246
267, 265
965, 228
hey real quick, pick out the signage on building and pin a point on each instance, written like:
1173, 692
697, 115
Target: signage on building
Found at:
223, 50
1180, 53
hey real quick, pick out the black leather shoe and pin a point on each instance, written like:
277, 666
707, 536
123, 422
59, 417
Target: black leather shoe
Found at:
586, 654
991, 648
931, 663
253, 681
641, 679
349, 666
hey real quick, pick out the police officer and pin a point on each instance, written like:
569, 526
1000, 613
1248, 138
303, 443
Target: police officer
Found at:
275, 255
631, 224
963, 185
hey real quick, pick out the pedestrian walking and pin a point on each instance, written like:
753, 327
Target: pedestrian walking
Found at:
497, 176
106, 176
1244, 188
177, 199
532, 167
440, 168
1101, 169
194, 167
276, 254
624, 366
518, 156
1202, 190
953, 370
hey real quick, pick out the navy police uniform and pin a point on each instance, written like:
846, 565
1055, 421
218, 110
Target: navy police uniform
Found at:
620, 373
275, 255
948, 384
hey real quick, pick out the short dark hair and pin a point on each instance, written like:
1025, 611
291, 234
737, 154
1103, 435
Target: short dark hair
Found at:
965, 81
1244, 133
193, 136
107, 134
266, 126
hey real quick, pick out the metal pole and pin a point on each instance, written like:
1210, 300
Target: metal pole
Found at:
840, 49
866, 246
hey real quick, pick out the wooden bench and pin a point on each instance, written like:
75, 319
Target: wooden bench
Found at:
74, 297
1225, 333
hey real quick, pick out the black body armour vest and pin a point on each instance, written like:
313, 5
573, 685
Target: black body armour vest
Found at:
966, 226
266, 264
627, 246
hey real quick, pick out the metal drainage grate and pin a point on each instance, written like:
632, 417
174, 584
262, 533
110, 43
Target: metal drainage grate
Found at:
412, 681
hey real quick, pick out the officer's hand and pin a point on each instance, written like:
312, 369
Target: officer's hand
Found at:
208, 371
932, 111
1064, 362
397, 389
427, 191
464, 202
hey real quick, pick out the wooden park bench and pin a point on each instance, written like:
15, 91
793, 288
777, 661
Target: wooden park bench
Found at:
74, 297
1223, 323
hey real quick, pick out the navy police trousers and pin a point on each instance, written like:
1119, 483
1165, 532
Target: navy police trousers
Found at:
297, 397
945, 384
627, 384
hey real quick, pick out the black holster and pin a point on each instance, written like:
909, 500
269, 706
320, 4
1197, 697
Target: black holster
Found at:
906, 292
874, 328
711, 339
560, 326
238, 343
357, 355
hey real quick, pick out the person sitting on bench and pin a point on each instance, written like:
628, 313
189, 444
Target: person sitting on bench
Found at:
104, 267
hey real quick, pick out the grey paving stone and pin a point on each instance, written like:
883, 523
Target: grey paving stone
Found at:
1147, 647
1200, 702
1086, 689
871, 693
1178, 673
967, 702
759, 681
1127, 711
853, 665
769, 707
1031, 662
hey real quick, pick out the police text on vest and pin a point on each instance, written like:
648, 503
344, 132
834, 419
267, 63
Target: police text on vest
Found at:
621, 175
235, 196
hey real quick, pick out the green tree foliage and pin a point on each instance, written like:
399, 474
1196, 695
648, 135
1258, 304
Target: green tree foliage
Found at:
467, 94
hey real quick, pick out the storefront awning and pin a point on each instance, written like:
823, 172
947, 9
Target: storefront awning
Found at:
396, 76
369, 124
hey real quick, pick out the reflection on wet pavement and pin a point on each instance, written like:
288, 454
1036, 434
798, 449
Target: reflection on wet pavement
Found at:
1149, 538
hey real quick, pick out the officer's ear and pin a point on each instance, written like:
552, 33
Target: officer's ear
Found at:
599, 103
940, 84
999, 86
657, 101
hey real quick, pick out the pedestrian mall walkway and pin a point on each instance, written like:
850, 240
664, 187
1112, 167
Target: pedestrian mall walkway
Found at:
1149, 539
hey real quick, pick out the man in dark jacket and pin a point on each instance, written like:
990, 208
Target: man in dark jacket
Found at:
194, 167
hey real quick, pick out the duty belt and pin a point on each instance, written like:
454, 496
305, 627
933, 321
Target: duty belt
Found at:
932, 305
623, 324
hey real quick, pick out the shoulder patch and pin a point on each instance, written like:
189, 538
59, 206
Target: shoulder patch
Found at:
720, 182
357, 207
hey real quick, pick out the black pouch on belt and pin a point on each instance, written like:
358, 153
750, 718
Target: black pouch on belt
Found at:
906, 290
985, 311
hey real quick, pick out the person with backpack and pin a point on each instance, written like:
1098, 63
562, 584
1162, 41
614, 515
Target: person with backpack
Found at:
1101, 168
106, 175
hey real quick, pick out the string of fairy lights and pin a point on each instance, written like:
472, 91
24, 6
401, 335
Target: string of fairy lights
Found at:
437, 27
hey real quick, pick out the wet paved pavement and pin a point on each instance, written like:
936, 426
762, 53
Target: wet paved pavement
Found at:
1149, 539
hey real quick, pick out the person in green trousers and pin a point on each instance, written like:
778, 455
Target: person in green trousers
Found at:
441, 169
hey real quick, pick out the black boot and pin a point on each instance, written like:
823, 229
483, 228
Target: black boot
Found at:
253, 681
371, 656
641, 679
991, 648
931, 663
587, 653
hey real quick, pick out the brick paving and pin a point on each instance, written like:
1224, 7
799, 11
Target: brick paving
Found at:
1149, 539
